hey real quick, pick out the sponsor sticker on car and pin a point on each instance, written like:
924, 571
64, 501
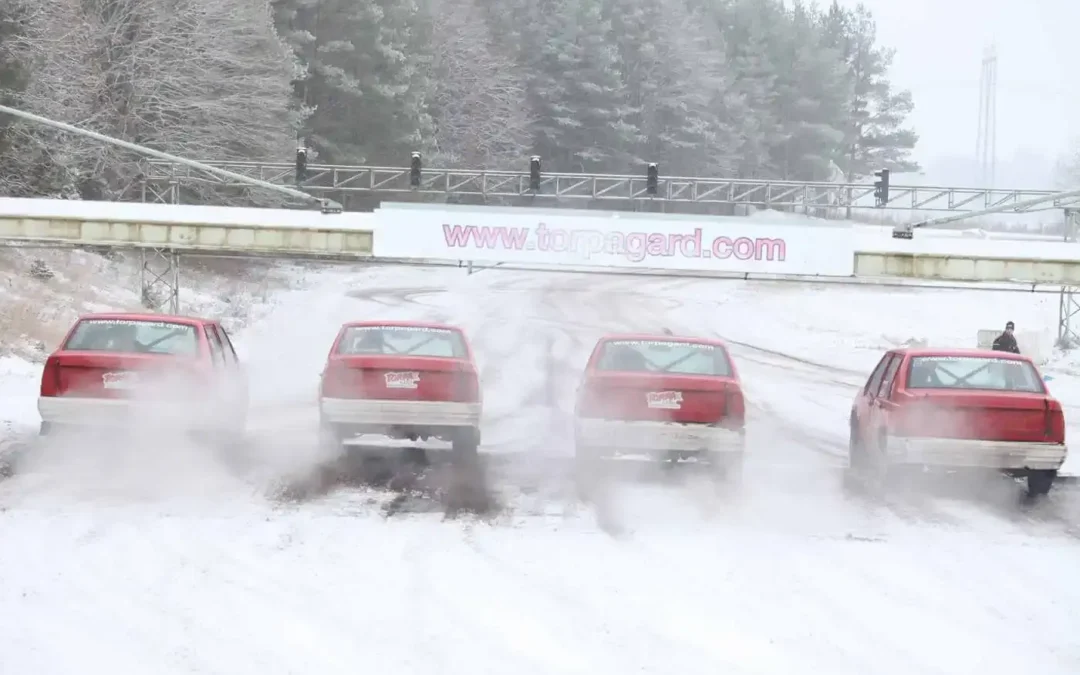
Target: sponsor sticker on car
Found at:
119, 380
667, 400
402, 380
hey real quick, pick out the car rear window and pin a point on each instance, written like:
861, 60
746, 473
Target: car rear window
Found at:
127, 336
402, 341
660, 356
973, 373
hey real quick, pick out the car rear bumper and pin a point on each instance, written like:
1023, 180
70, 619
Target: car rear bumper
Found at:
633, 437
976, 454
368, 412
126, 413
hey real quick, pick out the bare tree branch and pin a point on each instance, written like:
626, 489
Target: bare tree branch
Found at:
200, 78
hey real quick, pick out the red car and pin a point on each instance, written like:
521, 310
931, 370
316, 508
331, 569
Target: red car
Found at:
118, 369
661, 398
961, 408
405, 380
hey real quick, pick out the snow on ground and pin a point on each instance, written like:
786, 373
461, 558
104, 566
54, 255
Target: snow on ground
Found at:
791, 575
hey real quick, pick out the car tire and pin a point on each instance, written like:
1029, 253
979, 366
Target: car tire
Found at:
1039, 481
874, 470
858, 459
466, 443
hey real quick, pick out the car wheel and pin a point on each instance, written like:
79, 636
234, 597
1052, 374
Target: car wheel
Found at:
1039, 481
873, 468
466, 443
857, 455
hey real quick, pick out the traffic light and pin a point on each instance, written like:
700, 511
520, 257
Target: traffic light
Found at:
881, 188
414, 170
301, 164
534, 173
652, 180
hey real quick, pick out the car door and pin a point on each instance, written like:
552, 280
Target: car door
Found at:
880, 404
218, 383
237, 372
229, 380
866, 397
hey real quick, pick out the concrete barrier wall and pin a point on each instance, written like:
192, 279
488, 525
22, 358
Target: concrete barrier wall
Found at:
209, 237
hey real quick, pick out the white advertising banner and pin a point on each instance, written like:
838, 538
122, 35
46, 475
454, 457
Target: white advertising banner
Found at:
729, 244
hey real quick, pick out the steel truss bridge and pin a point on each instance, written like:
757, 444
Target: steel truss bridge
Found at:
164, 182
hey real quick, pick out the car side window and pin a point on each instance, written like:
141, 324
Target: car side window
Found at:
230, 352
890, 376
226, 349
875, 377
216, 350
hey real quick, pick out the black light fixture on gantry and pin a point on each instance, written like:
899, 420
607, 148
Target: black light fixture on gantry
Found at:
414, 170
301, 164
652, 179
881, 188
534, 173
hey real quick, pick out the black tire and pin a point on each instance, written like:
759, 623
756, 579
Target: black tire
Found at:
466, 443
46, 428
872, 468
858, 460
1039, 481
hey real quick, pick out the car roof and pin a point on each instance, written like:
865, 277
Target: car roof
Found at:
147, 316
662, 337
403, 324
985, 353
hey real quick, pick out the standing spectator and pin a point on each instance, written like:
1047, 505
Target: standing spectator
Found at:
1006, 342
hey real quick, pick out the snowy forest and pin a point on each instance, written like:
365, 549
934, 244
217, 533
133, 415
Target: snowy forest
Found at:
726, 88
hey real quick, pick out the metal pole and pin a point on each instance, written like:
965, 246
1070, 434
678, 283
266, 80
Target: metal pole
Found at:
328, 205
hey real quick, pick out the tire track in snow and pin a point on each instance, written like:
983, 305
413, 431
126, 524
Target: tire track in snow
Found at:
511, 626
662, 641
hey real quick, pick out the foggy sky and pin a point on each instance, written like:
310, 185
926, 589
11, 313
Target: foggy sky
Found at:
940, 46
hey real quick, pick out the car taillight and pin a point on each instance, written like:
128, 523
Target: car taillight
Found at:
467, 387
1055, 423
50, 377
734, 410
336, 381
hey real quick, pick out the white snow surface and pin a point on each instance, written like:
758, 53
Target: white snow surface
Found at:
177, 565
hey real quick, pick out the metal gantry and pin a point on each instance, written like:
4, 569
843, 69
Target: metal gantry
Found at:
164, 178
159, 280
1069, 307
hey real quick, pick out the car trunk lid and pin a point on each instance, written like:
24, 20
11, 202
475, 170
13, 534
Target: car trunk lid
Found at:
658, 397
989, 416
113, 375
400, 378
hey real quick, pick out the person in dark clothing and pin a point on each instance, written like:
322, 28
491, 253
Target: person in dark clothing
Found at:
1006, 342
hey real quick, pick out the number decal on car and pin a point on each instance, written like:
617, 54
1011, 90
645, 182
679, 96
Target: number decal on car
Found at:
119, 380
402, 380
667, 400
